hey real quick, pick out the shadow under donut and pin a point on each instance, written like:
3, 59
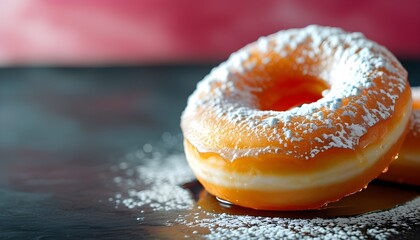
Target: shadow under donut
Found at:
379, 196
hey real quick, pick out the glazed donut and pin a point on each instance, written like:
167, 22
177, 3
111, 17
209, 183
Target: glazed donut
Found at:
297, 119
406, 169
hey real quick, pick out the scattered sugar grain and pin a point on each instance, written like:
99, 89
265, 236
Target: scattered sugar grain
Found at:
147, 148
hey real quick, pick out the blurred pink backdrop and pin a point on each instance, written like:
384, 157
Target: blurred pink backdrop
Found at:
79, 32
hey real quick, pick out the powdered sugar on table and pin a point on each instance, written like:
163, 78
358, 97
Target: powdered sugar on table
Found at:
152, 182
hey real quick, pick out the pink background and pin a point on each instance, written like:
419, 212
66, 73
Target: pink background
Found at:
74, 32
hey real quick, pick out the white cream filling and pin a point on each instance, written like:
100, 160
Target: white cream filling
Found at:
339, 173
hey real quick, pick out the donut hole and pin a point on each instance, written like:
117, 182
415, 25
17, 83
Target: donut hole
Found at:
290, 92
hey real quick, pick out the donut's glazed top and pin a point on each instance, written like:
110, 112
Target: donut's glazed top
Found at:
227, 113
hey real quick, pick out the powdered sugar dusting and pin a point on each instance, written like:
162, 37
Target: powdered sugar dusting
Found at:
379, 225
415, 123
415, 119
152, 178
415, 93
347, 62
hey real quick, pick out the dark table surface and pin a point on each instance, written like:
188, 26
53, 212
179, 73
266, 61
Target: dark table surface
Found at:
62, 130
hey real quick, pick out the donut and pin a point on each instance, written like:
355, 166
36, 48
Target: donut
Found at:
406, 168
297, 119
